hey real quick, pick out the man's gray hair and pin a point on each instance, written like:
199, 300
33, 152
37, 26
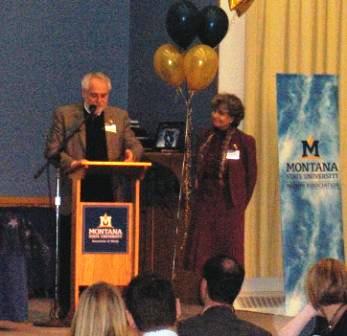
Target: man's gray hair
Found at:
87, 77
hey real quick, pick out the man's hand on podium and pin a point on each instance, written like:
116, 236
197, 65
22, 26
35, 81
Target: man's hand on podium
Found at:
76, 165
129, 156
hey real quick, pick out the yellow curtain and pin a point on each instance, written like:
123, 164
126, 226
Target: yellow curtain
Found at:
286, 36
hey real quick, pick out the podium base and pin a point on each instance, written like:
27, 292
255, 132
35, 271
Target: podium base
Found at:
54, 323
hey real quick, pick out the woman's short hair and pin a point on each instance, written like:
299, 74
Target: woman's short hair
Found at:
101, 311
326, 283
233, 104
100, 75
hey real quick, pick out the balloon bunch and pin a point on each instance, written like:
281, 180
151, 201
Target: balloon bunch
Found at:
199, 65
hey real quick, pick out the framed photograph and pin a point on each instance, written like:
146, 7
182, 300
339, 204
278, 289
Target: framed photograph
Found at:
170, 136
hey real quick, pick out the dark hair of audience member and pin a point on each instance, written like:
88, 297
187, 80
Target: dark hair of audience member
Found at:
151, 302
326, 283
224, 277
101, 312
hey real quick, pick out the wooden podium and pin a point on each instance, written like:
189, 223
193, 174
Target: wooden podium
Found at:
105, 236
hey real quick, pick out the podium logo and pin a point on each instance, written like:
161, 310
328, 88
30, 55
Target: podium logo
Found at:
105, 221
105, 231
310, 149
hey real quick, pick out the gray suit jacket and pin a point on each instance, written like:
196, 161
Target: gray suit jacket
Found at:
219, 321
119, 137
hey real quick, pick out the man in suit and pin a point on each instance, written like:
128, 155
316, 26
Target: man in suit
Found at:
222, 280
95, 131
104, 132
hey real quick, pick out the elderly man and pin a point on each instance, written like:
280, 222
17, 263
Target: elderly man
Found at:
95, 131
104, 135
222, 280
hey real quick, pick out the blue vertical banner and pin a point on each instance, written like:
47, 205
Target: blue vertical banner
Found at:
310, 192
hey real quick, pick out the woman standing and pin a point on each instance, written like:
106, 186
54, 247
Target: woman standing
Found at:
226, 176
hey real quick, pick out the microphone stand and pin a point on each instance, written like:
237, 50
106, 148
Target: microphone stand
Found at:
53, 159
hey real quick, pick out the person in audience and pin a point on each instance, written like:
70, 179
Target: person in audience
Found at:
326, 312
151, 304
100, 312
222, 280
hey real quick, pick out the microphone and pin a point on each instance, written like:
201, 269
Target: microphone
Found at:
92, 109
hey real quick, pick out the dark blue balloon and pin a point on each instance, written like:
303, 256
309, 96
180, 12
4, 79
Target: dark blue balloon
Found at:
182, 23
213, 25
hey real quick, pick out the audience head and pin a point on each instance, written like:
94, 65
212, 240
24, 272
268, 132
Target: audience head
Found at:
222, 279
151, 302
326, 283
101, 311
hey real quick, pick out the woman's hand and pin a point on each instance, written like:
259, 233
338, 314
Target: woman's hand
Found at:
297, 324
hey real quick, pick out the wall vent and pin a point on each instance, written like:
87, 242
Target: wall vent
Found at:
260, 300
261, 295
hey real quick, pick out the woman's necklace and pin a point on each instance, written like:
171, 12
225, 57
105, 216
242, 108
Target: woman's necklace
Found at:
334, 318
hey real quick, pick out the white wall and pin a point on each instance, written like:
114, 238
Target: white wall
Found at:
231, 54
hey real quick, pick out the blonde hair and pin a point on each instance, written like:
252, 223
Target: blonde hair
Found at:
326, 283
85, 82
101, 312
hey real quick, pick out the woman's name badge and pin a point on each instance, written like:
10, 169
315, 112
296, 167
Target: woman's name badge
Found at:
233, 155
112, 128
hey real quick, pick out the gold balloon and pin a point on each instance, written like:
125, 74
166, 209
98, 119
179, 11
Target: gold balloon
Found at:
240, 6
200, 66
168, 64
233, 4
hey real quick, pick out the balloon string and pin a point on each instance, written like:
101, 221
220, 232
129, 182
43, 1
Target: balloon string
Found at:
233, 17
184, 199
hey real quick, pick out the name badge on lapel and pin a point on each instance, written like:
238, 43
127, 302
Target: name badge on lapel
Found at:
233, 155
111, 127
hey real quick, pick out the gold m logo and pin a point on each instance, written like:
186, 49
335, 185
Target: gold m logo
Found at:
310, 148
105, 221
